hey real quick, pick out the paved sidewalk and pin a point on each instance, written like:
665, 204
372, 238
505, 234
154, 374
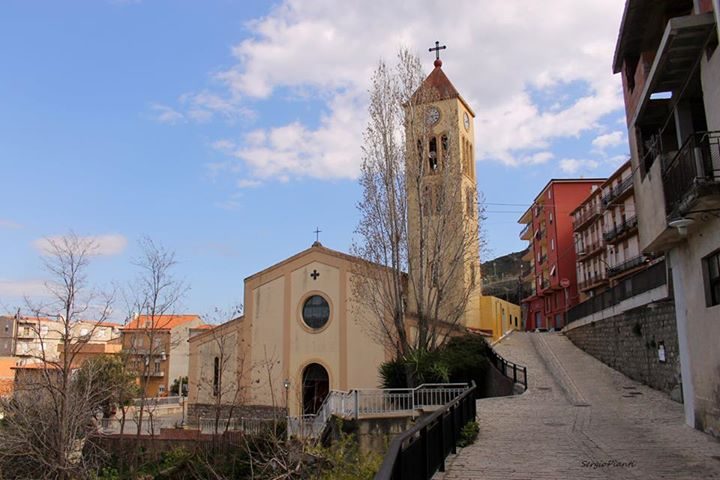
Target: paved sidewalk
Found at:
580, 419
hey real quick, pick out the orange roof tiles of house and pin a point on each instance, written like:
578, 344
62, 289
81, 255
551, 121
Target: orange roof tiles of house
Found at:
204, 326
159, 321
36, 366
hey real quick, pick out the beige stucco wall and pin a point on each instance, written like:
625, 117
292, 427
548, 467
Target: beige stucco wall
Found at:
225, 344
282, 346
180, 350
698, 327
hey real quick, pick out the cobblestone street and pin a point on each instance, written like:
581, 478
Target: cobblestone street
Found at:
580, 419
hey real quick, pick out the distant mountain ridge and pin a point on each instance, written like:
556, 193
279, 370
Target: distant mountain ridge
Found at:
502, 277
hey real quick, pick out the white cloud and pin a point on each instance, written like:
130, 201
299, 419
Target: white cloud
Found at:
9, 224
205, 105
105, 245
165, 114
608, 140
572, 166
498, 56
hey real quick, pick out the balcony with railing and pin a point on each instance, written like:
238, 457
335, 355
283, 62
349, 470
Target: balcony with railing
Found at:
618, 192
589, 250
584, 218
593, 282
622, 230
691, 179
626, 266
526, 232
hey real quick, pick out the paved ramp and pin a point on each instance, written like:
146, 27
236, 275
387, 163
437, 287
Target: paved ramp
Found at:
580, 419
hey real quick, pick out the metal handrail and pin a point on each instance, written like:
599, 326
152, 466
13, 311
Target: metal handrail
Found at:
157, 401
519, 372
421, 451
654, 276
372, 401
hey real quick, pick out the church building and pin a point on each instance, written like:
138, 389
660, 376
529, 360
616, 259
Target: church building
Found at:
303, 333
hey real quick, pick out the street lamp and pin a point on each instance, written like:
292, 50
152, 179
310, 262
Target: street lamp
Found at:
286, 385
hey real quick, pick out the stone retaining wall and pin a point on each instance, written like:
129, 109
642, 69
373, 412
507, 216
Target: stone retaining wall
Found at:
630, 342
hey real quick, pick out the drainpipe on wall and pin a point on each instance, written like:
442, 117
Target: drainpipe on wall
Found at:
716, 7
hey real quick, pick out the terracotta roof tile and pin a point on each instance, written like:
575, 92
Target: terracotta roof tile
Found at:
160, 321
437, 86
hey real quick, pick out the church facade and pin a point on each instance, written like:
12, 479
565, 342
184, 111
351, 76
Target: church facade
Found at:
303, 333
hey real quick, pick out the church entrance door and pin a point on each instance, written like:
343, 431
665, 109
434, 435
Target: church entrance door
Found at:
316, 385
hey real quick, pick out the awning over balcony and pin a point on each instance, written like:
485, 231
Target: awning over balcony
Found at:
682, 44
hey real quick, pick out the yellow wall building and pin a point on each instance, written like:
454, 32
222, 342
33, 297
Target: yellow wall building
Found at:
496, 317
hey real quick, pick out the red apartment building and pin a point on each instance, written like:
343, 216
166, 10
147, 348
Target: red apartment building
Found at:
549, 229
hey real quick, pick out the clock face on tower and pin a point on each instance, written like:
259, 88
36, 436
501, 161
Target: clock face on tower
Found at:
466, 120
432, 116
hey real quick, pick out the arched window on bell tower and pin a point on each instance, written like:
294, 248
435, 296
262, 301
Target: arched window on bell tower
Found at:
433, 155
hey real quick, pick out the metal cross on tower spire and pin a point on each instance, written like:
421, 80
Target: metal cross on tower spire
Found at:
437, 49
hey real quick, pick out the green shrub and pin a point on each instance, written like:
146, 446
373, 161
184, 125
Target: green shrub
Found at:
416, 368
343, 460
466, 358
462, 359
392, 374
468, 434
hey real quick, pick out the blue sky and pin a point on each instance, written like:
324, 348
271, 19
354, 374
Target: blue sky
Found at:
227, 131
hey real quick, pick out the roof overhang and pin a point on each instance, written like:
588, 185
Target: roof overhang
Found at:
682, 44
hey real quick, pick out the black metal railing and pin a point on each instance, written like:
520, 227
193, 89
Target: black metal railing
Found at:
421, 451
593, 281
626, 265
589, 250
511, 370
617, 231
581, 219
653, 277
696, 164
617, 190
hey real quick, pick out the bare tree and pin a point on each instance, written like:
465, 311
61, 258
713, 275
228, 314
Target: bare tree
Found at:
51, 414
418, 231
152, 297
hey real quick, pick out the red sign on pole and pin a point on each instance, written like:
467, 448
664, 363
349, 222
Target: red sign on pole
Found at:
564, 283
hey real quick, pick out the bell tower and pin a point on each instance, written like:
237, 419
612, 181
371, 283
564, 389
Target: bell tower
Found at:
442, 197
